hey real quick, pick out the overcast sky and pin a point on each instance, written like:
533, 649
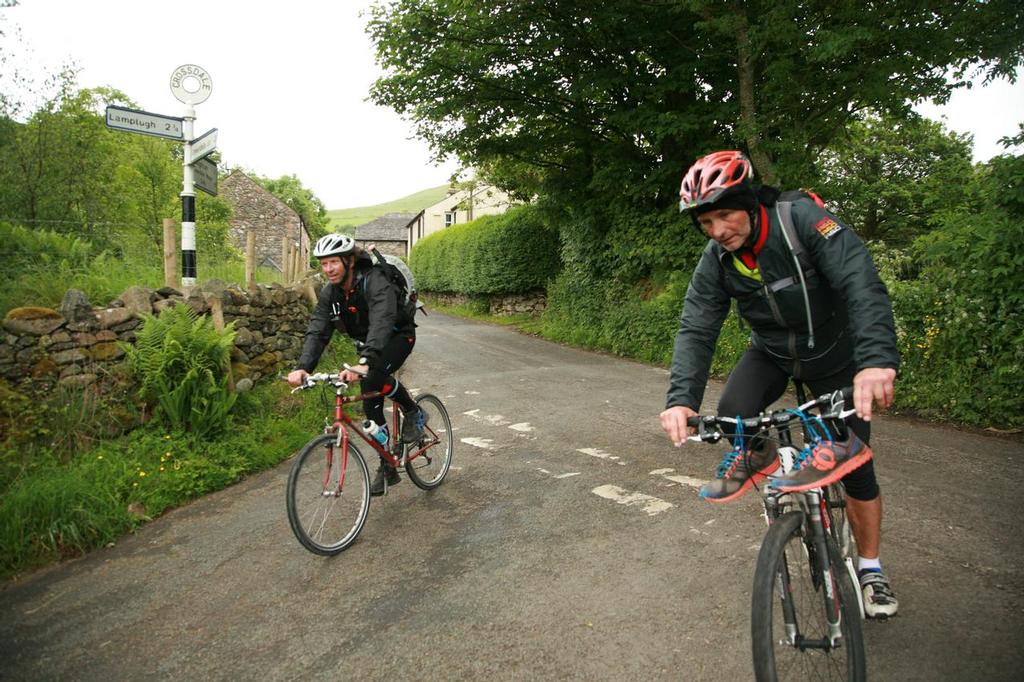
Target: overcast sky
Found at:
290, 80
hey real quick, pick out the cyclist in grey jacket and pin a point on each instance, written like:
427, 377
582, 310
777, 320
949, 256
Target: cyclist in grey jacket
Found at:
824, 319
362, 302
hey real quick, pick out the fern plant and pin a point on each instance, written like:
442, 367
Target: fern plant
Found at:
182, 361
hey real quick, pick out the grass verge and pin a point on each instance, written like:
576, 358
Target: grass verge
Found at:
57, 505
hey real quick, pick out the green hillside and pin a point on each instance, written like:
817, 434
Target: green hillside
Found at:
414, 203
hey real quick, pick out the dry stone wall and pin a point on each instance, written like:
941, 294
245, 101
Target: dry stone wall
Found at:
530, 303
78, 344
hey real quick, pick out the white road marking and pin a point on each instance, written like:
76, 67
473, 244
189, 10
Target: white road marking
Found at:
679, 478
483, 443
558, 476
600, 454
494, 419
521, 426
649, 505
472, 392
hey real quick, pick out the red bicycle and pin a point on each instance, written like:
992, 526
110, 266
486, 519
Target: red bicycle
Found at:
328, 495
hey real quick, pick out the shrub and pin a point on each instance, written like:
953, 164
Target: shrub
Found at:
181, 362
510, 253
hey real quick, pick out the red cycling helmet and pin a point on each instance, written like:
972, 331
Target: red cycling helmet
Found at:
711, 177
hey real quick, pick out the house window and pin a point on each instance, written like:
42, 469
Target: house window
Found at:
449, 218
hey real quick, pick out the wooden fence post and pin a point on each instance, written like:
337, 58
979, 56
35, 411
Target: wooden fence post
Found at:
284, 258
250, 259
217, 313
170, 253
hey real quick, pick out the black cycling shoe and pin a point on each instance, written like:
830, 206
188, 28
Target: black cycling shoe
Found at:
413, 424
386, 475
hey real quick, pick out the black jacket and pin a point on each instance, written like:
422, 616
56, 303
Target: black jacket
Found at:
849, 305
369, 313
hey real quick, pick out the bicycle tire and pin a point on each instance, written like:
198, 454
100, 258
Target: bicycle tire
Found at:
324, 520
781, 651
427, 465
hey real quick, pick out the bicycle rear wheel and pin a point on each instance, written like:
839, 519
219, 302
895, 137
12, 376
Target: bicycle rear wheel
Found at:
328, 495
428, 461
790, 605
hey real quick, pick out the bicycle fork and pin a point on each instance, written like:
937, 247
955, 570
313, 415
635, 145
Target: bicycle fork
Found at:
340, 444
824, 569
821, 574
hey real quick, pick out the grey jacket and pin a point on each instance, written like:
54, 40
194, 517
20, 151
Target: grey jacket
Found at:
849, 305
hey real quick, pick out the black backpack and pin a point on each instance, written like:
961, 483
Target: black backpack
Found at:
401, 276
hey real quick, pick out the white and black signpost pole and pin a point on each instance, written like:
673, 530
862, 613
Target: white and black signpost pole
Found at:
191, 84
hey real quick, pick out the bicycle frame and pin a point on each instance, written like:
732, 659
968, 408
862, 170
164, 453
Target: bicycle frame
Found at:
398, 455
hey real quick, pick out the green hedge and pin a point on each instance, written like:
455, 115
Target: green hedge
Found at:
504, 254
638, 321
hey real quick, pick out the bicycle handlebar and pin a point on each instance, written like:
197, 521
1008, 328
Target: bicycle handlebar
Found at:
710, 425
320, 378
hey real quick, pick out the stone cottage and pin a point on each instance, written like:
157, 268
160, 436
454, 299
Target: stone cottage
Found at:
390, 233
270, 218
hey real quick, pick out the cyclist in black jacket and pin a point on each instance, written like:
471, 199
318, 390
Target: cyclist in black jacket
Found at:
360, 300
827, 323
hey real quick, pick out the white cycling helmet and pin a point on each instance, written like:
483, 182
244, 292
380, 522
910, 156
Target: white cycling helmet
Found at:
333, 245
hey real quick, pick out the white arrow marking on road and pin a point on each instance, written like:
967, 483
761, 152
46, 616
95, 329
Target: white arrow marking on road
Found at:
600, 454
521, 426
495, 419
685, 480
483, 443
649, 505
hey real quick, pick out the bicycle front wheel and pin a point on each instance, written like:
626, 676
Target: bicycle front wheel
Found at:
328, 495
791, 604
428, 461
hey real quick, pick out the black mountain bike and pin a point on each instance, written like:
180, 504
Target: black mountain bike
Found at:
805, 608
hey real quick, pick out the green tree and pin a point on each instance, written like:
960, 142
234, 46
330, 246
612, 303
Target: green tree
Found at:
890, 176
610, 100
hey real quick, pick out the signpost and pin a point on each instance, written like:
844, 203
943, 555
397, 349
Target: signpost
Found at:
204, 145
191, 85
145, 122
206, 176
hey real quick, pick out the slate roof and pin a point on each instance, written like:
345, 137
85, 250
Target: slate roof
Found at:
388, 227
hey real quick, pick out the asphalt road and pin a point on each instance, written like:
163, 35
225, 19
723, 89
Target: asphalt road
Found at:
568, 543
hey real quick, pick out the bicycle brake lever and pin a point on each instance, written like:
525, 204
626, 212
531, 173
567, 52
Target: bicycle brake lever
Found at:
708, 436
353, 369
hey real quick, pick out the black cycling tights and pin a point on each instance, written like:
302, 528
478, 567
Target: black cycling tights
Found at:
756, 382
381, 378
